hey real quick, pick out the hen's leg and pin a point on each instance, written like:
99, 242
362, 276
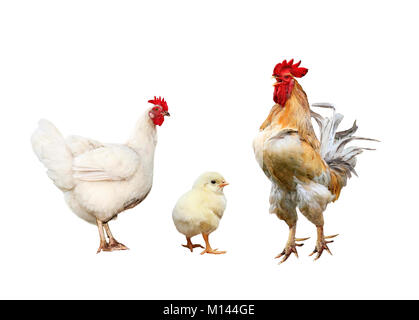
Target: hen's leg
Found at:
291, 246
208, 248
113, 244
190, 245
103, 244
321, 243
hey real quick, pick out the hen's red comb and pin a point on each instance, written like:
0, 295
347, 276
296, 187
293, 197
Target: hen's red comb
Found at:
159, 102
289, 67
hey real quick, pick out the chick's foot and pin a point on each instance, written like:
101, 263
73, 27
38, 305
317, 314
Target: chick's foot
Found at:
212, 251
190, 245
208, 248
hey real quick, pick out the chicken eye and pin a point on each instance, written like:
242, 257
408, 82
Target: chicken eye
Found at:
213, 181
155, 109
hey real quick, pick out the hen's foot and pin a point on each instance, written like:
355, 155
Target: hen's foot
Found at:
115, 245
290, 248
103, 247
321, 245
212, 251
191, 246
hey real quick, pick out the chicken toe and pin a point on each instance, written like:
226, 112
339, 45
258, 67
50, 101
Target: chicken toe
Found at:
291, 246
113, 243
208, 248
321, 243
190, 245
103, 247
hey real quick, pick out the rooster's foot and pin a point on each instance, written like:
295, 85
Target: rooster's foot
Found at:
321, 245
290, 248
212, 251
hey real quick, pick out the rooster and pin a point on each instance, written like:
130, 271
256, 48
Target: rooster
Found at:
99, 181
305, 172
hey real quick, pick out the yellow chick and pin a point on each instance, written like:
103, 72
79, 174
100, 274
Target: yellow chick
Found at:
201, 209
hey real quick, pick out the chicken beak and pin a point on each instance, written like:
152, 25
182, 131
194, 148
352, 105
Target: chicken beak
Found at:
222, 185
166, 113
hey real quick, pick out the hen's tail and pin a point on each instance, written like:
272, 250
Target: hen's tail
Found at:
341, 159
49, 145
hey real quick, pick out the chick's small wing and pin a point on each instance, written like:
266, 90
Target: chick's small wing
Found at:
108, 163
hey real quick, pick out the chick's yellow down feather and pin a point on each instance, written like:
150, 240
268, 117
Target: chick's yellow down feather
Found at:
200, 210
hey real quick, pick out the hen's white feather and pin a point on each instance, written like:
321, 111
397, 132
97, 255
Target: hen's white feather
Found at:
49, 145
112, 162
99, 180
79, 145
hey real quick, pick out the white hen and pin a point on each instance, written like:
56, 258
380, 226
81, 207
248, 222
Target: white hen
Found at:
201, 209
99, 181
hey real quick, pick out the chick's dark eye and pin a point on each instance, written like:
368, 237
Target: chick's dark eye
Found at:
155, 109
213, 181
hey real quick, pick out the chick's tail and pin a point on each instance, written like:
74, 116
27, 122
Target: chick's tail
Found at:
51, 149
340, 158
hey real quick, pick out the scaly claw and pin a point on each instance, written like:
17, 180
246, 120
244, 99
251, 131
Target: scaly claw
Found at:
103, 247
321, 245
290, 248
115, 245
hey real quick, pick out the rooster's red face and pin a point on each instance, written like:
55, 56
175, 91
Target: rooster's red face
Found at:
159, 111
283, 88
284, 74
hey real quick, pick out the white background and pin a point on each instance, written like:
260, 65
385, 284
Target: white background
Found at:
91, 66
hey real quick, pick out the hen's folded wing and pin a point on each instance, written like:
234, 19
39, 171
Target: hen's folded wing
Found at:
108, 163
79, 145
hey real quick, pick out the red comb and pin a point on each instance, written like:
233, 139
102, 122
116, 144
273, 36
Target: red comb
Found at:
159, 102
289, 67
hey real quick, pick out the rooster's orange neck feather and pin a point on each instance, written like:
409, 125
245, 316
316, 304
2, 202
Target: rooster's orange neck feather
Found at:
295, 114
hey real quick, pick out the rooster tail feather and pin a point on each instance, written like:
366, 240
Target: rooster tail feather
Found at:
340, 158
51, 149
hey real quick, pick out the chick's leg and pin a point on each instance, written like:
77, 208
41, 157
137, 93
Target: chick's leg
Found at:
103, 244
113, 244
291, 246
321, 243
208, 248
190, 245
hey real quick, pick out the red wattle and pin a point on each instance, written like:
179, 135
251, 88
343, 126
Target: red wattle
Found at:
282, 92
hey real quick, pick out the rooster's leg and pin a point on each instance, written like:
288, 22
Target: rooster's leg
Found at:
321, 243
291, 246
103, 244
190, 245
113, 244
208, 248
